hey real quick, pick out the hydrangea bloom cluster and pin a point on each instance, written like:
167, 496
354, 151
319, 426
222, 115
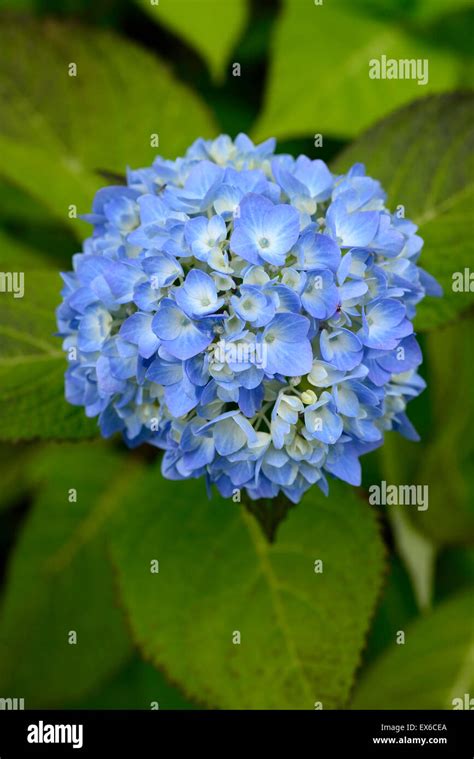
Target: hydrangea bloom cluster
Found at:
248, 313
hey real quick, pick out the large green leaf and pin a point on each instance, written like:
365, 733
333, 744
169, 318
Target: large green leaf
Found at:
212, 27
424, 157
57, 131
319, 75
434, 666
32, 365
301, 631
60, 580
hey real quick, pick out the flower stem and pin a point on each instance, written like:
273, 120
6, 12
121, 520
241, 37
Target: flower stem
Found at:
269, 513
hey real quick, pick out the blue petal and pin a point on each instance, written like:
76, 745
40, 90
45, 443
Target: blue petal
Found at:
94, 328
407, 355
181, 397
353, 230
343, 463
341, 348
163, 269
288, 349
169, 321
137, 329
122, 280
263, 231
181, 337
317, 251
198, 295
250, 401
228, 436
320, 296
165, 372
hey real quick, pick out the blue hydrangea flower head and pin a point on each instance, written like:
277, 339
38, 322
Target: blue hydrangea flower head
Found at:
248, 313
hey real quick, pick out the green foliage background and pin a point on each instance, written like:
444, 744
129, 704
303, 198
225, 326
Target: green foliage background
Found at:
85, 566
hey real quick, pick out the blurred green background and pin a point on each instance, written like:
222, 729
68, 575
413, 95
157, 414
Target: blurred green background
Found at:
82, 520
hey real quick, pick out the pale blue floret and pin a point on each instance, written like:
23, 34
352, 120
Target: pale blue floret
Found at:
264, 232
204, 236
197, 296
182, 336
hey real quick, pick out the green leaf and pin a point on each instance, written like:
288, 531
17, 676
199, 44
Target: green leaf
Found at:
301, 631
423, 156
212, 27
418, 555
60, 580
58, 131
427, 10
433, 667
444, 459
416, 551
32, 366
412, 11
14, 462
396, 608
137, 686
17, 5
454, 571
446, 464
16, 205
17, 255
29, 238
319, 75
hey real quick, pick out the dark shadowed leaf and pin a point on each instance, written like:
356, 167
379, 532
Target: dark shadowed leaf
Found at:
60, 581
137, 686
446, 463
